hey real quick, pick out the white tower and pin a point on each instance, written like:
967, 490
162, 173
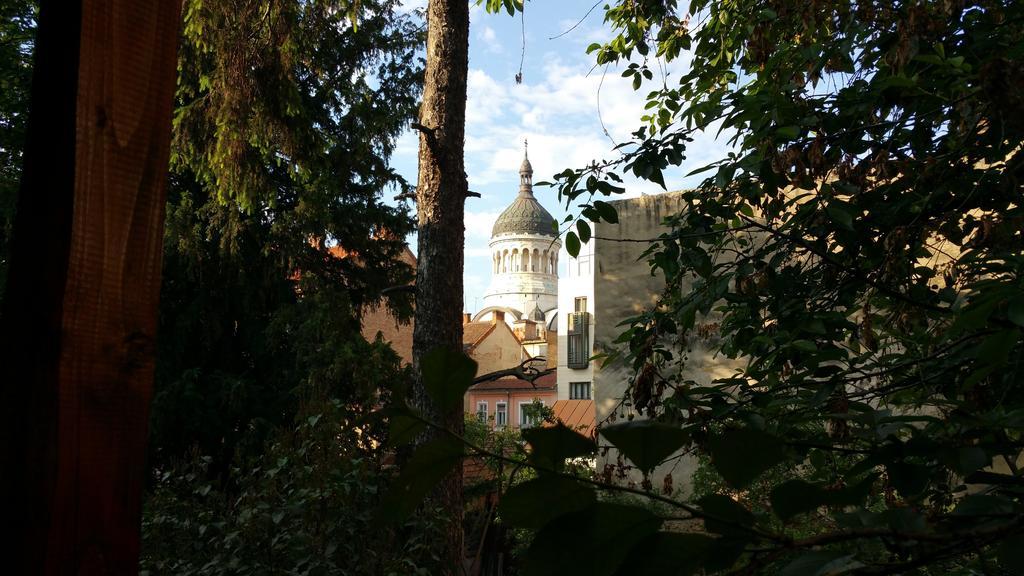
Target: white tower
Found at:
524, 256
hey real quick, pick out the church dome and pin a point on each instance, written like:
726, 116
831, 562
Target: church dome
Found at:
525, 215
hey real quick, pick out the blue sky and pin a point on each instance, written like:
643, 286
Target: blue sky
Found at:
556, 108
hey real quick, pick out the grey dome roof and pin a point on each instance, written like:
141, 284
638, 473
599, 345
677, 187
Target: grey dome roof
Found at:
536, 315
525, 215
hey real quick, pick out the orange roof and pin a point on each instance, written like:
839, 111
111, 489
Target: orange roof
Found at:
576, 414
474, 332
545, 382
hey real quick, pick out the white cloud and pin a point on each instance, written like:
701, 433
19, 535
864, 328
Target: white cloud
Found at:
478, 226
490, 39
565, 113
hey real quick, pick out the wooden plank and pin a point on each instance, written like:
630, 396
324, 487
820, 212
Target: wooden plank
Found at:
86, 458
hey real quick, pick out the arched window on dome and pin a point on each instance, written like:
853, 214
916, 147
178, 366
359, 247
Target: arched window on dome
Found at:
551, 263
536, 259
526, 260
515, 259
496, 262
504, 261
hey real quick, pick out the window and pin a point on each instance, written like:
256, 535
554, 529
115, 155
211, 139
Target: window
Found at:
481, 411
579, 390
528, 417
581, 265
578, 340
580, 305
500, 414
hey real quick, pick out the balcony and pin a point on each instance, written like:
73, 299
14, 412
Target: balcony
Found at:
578, 341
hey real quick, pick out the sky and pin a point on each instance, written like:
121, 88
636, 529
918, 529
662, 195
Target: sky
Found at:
563, 107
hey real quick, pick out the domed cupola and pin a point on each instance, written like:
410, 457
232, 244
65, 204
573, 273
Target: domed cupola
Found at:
524, 248
525, 215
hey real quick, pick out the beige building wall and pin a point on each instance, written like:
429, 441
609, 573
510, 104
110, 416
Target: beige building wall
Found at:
496, 349
624, 287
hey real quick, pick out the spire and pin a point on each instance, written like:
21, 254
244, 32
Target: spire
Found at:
526, 172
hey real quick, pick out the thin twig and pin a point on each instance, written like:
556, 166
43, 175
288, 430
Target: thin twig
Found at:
580, 21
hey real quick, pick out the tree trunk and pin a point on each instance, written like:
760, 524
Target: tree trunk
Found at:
440, 196
79, 321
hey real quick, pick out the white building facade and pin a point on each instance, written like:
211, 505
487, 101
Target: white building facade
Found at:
576, 305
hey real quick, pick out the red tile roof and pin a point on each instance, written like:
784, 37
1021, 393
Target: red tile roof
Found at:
545, 382
474, 332
578, 415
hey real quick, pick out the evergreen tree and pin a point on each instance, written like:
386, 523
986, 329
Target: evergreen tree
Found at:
277, 237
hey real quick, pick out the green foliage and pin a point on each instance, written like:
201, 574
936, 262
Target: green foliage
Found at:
646, 443
446, 376
304, 506
261, 305
858, 250
535, 503
278, 92
17, 38
432, 461
551, 446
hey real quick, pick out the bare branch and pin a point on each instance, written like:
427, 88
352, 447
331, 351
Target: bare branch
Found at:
523, 371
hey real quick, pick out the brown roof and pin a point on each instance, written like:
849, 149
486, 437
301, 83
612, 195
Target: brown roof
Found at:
474, 332
545, 382
378, 319
576, 414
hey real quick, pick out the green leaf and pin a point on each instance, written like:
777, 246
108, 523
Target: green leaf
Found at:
995, 350
1011, 554
805, 345
657, 177
535, 503
984, 505
672, 553
909, 479
447, 375
1015, 311
428, 466
820, 563
787, 133
403, 426
971, 458
551, 445
797, 496
904, 520
594, 541
646, 442
572, 244
794, 497
725, 515
610, 214
742, 455
841, 213
984, 477
584, 229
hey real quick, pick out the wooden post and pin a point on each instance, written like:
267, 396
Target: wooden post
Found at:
80, 312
